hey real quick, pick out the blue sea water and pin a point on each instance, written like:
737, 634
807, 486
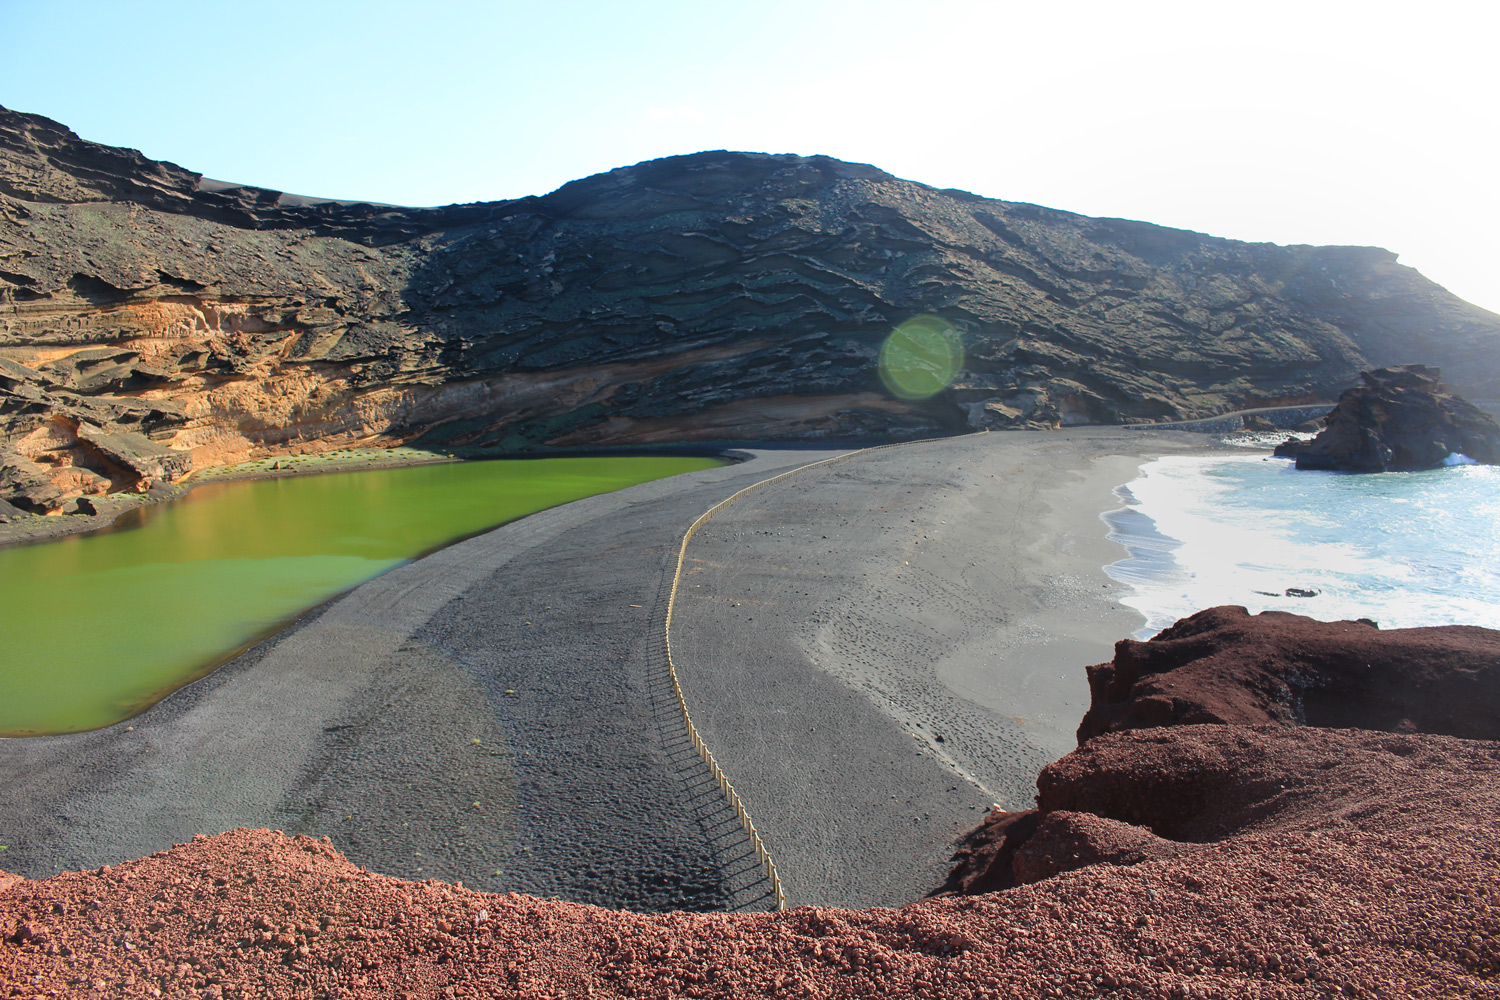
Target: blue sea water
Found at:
1405, 549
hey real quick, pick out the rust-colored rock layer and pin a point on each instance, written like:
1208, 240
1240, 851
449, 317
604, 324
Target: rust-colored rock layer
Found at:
1226, 665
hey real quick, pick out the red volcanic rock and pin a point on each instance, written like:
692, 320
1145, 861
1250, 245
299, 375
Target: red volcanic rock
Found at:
1274, 827
1067, 840
984, 862
1205, 784
1224, 665
1017, 848
1375, 871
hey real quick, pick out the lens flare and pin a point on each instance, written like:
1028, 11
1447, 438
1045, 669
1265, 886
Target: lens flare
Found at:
921, 357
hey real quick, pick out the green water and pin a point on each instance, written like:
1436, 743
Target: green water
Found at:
95, 628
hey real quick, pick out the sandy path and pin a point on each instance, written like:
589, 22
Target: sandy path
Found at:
879, 648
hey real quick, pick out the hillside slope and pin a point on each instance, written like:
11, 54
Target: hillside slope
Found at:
153, 321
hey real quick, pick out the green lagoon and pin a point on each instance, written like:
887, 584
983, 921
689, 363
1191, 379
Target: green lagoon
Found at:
95, 628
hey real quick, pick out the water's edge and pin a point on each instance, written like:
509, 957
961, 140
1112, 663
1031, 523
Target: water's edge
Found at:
1403, 549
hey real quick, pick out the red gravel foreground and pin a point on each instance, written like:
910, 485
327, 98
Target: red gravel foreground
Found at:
1258, 859
1345, 863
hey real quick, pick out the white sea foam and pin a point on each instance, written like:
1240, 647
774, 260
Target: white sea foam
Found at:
1404, 549
1263, 440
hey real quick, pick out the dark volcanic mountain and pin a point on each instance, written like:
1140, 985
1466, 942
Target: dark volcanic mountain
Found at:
153, 321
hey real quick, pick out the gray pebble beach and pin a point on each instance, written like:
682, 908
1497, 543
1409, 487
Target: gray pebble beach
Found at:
876, 649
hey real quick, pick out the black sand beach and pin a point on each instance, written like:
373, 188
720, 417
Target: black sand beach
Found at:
876, 649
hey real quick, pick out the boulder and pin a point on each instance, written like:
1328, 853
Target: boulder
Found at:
1224, 665
147, 460
26, 485
1400, 420
1230, 731
1066, 840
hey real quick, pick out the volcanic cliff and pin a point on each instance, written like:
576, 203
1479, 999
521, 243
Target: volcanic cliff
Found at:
153, 321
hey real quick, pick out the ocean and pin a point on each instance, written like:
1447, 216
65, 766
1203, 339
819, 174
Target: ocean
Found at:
1403, 549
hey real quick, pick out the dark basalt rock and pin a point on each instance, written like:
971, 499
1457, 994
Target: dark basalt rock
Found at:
1402, 419
716, 296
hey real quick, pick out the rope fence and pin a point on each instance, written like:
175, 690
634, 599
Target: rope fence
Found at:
721, 780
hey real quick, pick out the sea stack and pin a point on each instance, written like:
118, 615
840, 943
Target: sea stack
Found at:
1402, 419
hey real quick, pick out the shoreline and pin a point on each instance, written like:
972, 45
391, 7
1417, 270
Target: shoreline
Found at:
1409, 549
23, 527
27, 528
915, 619
540, 639
436, 721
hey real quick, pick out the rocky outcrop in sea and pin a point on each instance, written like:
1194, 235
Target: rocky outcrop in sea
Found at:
1401, 419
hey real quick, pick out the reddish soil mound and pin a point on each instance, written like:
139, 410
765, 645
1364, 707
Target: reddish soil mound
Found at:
985, 860
1225, 665
1350, 862
1349, 810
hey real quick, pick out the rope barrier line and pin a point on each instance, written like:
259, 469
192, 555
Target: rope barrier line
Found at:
721, 780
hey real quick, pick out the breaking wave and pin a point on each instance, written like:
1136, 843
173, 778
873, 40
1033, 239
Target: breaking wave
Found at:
1402, 548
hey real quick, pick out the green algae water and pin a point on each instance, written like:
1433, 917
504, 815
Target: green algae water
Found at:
99, 627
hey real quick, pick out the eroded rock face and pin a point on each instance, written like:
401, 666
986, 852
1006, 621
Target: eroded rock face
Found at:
1401, 420
717, 296
1230, 728
1224, 665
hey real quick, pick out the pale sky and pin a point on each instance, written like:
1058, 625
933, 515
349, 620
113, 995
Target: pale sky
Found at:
1328, 123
